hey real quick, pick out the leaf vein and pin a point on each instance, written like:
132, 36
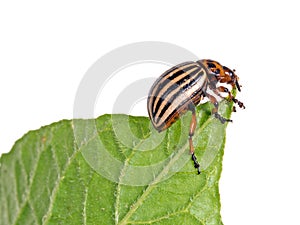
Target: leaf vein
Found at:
57, 182
27, 192
159, 218
152, 185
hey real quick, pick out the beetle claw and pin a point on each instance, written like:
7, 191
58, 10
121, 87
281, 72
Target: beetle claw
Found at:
196, 164
222, 119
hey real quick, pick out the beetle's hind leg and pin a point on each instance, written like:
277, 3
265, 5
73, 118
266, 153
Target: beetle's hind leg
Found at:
191, 134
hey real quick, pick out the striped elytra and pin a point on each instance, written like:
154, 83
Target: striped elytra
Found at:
182, 87
172, 93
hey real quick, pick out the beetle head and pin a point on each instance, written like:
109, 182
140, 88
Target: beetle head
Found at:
221, 73
231, 77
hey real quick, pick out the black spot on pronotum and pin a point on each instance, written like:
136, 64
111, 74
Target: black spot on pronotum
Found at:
211, 65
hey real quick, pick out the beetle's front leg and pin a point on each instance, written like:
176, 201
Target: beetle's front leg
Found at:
225, 90
213, 100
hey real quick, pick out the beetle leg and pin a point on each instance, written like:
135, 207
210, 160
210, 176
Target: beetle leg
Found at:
224, 89
240, 104
191, 134
215, 109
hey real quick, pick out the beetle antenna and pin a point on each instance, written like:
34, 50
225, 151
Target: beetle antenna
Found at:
237, 85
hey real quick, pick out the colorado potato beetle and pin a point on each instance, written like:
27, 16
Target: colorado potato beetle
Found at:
182, 87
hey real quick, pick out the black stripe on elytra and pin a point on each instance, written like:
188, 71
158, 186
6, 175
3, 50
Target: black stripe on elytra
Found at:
169, 99
163, 80
189, 83
198, 92
166, 98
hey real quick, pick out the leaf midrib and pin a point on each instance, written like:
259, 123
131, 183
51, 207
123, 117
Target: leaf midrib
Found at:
122, 174
158, 178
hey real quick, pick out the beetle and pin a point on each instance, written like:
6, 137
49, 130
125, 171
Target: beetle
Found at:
182, 87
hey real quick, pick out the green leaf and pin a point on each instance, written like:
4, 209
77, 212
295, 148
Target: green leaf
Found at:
114, 170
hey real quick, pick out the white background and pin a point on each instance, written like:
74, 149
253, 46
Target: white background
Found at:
45, 49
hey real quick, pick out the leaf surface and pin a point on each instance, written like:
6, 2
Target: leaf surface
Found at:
115, 169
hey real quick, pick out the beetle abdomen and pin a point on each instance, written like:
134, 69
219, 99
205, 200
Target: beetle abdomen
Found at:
173, 92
